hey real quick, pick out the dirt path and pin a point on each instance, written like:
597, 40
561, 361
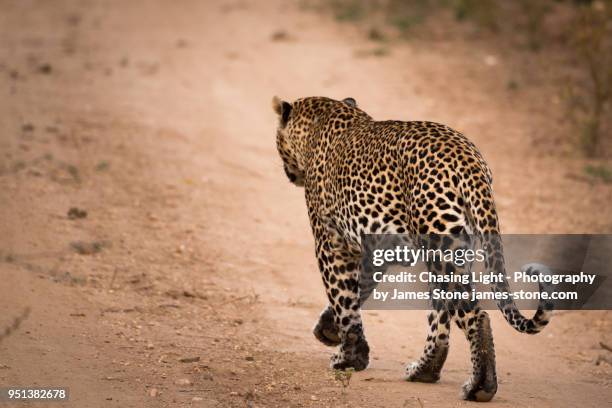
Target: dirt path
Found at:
156, 119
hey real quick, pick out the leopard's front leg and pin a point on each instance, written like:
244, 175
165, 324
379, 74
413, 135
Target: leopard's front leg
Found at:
340, 271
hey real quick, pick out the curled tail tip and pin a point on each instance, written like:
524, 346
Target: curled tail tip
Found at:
543, 314
535, 268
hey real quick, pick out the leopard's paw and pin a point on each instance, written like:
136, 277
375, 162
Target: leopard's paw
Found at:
415, 372
479, 390
355, 355
326, 330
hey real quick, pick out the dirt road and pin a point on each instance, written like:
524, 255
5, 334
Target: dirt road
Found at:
192, 280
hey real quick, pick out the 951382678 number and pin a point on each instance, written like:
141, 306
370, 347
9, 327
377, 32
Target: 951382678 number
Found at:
33, 393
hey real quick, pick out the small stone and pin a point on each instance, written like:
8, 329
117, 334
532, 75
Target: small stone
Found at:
150, 346
188, 293
86, 248
280, 35
153, 392
45, 69
491, 60
194, 359
234, 393
103, 165
183, 381
197, 399
75, 213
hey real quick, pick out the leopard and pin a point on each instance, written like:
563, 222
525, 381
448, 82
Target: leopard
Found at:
362, 176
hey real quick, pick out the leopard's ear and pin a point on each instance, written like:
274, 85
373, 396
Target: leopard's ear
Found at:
276, 104
282, 108
350, 102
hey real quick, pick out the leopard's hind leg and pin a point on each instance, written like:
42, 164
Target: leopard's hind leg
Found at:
482, 384
429, 366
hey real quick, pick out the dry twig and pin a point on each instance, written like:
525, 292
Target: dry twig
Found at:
15, 325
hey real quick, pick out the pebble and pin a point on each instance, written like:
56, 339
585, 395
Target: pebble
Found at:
491, 60
280, 35
183, 381
45, 69
189, 359
76, 213
86, 248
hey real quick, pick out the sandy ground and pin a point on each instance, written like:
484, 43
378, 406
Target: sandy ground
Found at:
155, 118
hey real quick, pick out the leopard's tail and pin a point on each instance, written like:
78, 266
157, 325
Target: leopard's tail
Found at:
495, 262
485, 226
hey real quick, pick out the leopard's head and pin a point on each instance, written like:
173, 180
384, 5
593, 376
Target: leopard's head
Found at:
297, 122
290, 136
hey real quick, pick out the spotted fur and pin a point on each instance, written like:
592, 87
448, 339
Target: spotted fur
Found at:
363, 176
